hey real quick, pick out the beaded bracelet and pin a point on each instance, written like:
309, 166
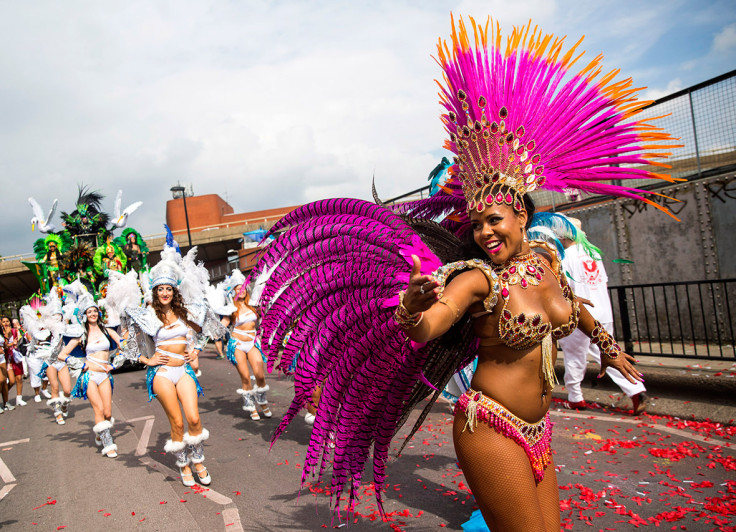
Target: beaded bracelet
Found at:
403, 317
605, 342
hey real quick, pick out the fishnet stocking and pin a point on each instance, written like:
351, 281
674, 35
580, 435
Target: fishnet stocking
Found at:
500, 476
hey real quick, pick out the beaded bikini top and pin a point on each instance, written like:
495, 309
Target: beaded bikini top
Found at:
518, 331
521, 331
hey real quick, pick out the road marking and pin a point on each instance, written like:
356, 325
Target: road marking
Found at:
138, 419
5, 473
231, 516
4, 444
142, 447
678, 432
6, 489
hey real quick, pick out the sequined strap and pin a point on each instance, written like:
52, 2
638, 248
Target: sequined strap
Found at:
441, 274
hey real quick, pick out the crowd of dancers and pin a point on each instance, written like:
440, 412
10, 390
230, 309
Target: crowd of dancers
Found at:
160, 319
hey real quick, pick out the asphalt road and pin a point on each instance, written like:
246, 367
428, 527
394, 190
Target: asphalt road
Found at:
616, 472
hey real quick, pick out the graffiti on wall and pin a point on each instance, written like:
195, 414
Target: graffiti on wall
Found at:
669, 201
723, 190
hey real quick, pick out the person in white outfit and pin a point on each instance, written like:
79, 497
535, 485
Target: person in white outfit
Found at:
587, 277
588, 280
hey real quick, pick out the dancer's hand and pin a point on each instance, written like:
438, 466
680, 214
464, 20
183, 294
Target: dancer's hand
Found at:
625, 364
422, 291
158, 359
191, 357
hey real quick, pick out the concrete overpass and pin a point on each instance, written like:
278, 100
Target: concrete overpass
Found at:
18, 283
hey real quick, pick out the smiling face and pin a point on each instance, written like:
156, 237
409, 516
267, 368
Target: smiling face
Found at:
165, 293
92, 314
499, 230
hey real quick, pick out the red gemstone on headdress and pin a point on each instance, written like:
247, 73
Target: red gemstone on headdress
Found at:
466, 131
495, 177
477, 126
517, 206
505, 292
461, 95
538, 170
536, 158
453, 137
541, 181
519, 150
524, 283
503, 112
480, 207
520, 131
520, 319
510, 137
509, 198
481, 102
531, 145
539, 276
452, 116
512, 270
537, 319
507, 314
499, 198
494, 128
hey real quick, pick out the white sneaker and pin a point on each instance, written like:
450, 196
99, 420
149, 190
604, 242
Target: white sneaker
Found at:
9, 407
46, 394
37, 398
19, 401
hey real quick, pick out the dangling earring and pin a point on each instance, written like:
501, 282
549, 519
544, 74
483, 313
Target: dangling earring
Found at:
525, 238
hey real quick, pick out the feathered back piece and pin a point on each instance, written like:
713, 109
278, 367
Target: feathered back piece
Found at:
518, 119
329, 289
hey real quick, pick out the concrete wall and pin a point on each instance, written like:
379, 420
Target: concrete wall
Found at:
702, 245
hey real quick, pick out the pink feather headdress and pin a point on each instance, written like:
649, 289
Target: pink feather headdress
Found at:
517, 121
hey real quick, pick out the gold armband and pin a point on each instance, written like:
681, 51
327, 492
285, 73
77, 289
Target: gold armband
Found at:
449, 303
605, 342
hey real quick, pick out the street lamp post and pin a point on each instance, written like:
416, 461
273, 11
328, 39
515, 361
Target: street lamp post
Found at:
180, 189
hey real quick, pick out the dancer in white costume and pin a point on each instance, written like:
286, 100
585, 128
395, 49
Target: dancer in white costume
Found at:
95, 383
177, 305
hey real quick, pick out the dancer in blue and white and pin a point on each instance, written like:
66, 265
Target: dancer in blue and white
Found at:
241, 349
177, 305
95, 382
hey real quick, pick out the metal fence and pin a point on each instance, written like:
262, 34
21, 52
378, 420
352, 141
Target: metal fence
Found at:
676, 320
703, 117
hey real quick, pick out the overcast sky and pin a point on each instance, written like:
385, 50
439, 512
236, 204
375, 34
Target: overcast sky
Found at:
274, 103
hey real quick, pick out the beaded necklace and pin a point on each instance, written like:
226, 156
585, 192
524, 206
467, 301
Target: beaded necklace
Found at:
524, 270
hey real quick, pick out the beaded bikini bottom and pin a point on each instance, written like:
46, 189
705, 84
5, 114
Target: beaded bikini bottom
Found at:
534, 438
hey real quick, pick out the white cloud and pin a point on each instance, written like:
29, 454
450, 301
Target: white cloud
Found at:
654, 93
725, 41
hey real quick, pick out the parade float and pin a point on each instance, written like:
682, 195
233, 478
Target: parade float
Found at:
86, 248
